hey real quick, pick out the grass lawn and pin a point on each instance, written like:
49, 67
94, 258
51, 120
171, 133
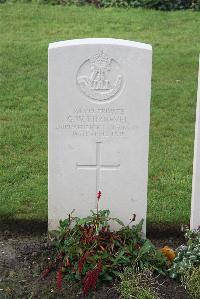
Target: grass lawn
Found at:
26, 31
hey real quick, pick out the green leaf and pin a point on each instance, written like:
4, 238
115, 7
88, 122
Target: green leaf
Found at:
118, 221
106, 277
148, 246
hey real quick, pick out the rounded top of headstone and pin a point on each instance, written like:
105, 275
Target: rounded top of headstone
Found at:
106, 41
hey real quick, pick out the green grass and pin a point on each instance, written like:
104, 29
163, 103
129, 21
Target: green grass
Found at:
26, 31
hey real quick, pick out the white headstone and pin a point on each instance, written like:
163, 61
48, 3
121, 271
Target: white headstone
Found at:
195, 207
99, 113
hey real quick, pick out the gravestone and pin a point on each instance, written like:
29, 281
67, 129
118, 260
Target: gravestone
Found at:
99, 113
195, 207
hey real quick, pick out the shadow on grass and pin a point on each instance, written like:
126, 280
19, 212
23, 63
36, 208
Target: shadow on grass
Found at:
23, 226
38, 227
164, 230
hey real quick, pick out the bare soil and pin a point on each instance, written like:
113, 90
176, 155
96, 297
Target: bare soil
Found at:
23, 256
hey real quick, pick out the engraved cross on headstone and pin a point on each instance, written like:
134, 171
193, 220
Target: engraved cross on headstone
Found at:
98, 166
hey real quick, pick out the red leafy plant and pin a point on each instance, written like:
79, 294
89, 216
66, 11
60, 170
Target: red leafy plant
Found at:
90, 251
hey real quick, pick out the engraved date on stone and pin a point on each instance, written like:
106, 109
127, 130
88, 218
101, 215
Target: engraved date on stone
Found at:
98, 122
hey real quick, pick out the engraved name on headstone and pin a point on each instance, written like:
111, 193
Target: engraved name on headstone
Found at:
195, 207
99, 113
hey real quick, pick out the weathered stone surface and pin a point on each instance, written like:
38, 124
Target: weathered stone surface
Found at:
99, 113
195, 207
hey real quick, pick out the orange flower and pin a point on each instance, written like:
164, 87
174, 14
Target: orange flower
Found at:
168, 252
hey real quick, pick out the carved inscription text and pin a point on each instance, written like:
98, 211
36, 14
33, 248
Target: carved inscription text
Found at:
99, 122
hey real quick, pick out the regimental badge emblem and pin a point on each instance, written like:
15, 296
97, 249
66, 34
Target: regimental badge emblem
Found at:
100, 77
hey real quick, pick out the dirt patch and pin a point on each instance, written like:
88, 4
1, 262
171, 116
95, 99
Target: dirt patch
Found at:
22, 259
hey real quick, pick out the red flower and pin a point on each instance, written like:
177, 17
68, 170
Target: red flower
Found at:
59, 279
82, 262
91, 278
98, 195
